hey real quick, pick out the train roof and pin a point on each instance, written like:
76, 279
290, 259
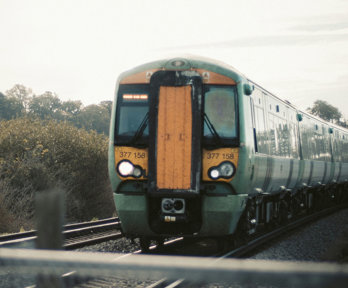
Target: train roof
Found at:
189, 62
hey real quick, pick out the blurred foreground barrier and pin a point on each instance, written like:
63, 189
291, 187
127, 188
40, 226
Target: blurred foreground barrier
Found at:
195, 270
50, 218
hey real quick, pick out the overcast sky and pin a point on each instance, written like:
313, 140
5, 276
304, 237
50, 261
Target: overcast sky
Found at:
296, 49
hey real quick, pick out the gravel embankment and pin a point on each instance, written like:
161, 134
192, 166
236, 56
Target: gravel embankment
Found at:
323, 240
122, 245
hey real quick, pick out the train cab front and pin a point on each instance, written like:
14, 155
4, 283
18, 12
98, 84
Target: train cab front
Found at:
176, 150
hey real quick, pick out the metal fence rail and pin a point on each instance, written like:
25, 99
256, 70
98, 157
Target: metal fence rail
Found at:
195, 270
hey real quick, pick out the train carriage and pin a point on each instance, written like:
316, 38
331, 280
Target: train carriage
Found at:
197, 149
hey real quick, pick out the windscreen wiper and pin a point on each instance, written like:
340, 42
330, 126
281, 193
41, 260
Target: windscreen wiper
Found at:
140, 130
216, 136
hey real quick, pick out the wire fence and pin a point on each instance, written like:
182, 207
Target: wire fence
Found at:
27, 267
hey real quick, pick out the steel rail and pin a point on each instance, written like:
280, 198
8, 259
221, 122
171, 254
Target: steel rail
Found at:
70, 231
92, 239
69, 277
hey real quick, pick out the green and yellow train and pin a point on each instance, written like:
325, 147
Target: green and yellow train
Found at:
197, 149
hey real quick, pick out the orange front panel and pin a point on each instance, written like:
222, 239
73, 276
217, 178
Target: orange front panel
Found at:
215, 78
213, 158
138, 78
174, 138
138, 156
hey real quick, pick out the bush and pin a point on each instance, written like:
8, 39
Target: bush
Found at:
8, 223
36, 156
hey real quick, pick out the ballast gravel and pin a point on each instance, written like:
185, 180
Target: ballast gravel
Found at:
323, 240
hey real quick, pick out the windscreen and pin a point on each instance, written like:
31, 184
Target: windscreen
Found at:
132, 115
220, 114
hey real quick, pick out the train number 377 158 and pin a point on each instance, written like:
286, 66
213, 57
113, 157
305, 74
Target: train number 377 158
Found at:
225, 156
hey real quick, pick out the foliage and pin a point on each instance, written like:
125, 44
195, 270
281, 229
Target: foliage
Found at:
325, 111
36, 155
10, 107
21, 94
21, 102
45, 106
94, 117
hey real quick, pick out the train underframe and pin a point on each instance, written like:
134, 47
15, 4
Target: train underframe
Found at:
267, 211
230, 219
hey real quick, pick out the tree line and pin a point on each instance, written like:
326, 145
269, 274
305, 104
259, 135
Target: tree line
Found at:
20, 101
326, 111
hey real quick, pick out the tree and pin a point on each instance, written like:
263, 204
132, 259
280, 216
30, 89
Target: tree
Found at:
71, 107
325, 111
70, 110
2, 105
10, 107
22, 95
107, 104
94, 117
45, 106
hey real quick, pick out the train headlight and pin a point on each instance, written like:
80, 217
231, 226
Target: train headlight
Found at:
214, 174
126, 168
224, 170
137, 172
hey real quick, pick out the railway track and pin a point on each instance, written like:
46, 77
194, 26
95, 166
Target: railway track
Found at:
178, 245
75, 235
244, 251
170, 247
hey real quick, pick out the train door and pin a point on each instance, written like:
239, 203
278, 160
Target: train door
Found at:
174, 137
260, 139
175, 117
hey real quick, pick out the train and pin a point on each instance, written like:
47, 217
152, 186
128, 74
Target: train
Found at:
197, 149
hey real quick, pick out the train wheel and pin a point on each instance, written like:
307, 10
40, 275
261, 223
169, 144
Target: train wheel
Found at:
144, 244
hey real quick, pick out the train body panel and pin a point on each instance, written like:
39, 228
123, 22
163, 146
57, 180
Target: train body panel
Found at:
295, 169
280, 172
221, 214
259, 171
132, 209
307, 168
336, 167
319, 169
344, 173
233, 155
